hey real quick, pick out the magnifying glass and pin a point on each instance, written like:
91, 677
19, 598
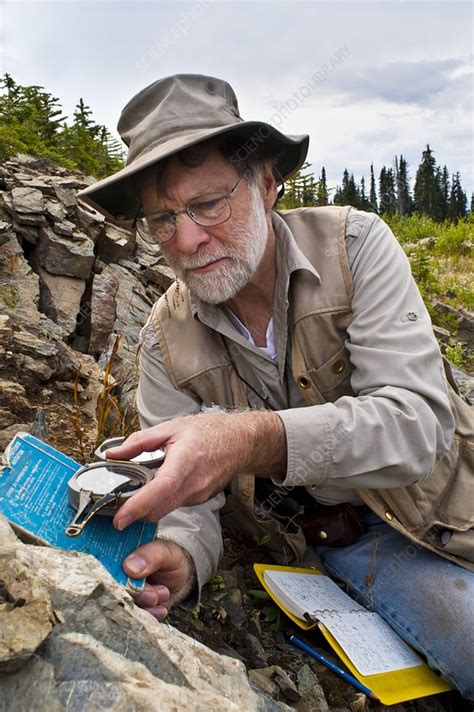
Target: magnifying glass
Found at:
149, 459
101, 488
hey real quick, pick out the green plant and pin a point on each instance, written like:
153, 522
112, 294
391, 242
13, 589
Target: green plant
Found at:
9, 296
455, 352
217, 583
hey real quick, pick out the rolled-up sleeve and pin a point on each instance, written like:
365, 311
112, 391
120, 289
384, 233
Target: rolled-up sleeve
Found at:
399, 423
196, 529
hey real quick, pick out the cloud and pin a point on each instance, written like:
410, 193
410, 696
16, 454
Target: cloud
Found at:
402, 82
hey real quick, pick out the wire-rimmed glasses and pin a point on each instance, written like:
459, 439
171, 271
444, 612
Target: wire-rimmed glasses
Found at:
207, 210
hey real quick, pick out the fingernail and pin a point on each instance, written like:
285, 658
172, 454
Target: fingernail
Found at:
123, 523
159, 612
136, 566
148, 599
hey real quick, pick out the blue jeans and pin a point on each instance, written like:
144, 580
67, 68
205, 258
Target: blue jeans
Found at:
426, 599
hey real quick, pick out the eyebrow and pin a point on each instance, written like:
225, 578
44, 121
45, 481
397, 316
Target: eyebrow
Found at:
205, 190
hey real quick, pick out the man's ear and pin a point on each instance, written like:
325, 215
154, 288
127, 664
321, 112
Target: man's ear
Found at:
268, 185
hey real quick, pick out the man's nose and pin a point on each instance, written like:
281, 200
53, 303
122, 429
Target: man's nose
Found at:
189, 235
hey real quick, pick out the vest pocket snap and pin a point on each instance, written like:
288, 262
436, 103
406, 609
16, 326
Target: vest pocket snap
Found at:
338, 366
303, 382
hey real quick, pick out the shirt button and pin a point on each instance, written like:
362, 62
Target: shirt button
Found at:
412, 316
303, 382
389, 516
245, 495
338, 366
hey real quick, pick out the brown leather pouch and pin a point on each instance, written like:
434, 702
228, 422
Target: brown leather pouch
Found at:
336, 525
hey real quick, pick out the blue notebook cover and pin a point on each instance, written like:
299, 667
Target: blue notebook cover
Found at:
33, 496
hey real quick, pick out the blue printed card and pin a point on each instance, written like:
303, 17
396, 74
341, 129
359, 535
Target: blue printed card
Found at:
33, 496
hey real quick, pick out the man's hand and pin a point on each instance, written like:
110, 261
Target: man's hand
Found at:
203, 453
169, 571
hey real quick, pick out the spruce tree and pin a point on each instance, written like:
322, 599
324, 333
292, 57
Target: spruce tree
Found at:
457, 199
387, 194
373, 191
404, 202
428, 197
445, 189
322, 189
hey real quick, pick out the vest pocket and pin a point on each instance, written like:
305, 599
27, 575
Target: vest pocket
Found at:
333, 378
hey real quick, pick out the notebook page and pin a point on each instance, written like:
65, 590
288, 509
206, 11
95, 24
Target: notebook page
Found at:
307, 593
371, 645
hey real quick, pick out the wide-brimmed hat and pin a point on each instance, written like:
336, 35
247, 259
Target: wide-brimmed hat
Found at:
177, 112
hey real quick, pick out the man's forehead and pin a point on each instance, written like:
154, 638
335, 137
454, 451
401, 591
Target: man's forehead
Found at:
187, 183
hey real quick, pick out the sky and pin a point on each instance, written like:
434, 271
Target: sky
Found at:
366, 81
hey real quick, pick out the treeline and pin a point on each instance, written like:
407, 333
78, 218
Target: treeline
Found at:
436, 193
32, 122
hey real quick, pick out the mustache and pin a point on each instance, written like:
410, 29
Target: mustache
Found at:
200, 261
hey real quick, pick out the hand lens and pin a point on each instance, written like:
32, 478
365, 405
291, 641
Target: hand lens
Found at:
148, 459
101, 488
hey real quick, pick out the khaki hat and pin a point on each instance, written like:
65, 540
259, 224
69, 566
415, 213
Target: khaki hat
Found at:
177, 112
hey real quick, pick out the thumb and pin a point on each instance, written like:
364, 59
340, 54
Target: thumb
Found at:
157, 555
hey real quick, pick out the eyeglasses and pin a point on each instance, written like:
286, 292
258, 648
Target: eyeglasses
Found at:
208, 210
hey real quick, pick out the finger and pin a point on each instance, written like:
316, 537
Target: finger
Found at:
159, 496
158, 612
148, 559
141, 441
153, 596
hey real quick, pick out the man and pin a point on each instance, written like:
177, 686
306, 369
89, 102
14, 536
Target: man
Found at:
294, 347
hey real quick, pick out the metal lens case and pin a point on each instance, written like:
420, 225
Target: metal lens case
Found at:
100, 478
152, 460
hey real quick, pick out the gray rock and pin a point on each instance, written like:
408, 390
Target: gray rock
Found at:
27, 200
115, 244
22, 217
30, 234
39, 184
58, 255
312, 695
56, 210
19, 285
104, 652
26, 614
103, 310
60, 299
67, 196
90, 220
67, 228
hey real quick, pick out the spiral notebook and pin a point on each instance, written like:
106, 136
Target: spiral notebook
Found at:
373, 652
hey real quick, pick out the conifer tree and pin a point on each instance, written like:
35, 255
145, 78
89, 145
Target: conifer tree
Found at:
445, 188
322, 189
387, 194
300, 189
373, 191
428, 197
404, 202
457, 199
31, 122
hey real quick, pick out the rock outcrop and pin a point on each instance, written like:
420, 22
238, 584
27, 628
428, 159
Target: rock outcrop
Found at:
72, 639
70, 278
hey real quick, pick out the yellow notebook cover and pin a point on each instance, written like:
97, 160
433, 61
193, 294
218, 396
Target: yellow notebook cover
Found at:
389, 687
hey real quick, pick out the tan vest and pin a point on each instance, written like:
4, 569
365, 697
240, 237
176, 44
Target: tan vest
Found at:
437, 513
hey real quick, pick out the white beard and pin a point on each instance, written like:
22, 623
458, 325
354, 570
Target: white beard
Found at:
245, 255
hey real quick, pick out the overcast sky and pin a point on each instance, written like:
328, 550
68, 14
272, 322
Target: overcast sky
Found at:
381, 78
